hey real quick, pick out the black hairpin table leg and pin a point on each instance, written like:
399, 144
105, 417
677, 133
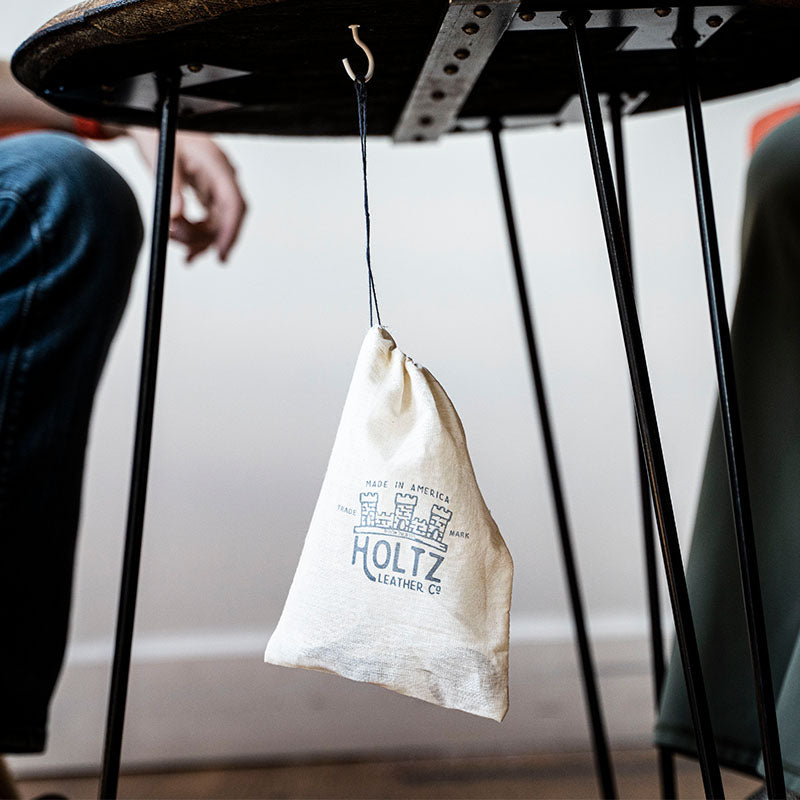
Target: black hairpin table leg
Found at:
666, 762
603, 765
731, 424
645, 411
169, 88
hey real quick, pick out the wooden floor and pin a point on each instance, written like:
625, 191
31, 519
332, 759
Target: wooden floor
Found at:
531, 776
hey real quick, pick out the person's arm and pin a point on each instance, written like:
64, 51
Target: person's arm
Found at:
21, 109
199, 164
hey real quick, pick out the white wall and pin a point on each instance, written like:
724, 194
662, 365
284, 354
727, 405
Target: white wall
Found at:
255, 362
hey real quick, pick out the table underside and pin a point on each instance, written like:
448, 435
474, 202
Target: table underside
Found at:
290, 52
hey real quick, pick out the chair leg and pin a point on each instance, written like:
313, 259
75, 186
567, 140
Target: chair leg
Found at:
169, 91
731, 423
602, 756
666, 762
645, 411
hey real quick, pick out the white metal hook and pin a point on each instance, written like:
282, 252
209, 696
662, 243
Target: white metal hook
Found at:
367, 52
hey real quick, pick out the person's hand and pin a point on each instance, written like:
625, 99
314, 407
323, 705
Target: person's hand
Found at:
199, 165
203, 167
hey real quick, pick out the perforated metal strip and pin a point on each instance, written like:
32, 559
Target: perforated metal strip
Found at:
466, 40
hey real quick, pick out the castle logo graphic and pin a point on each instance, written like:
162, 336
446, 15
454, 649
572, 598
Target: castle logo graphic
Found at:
402, 522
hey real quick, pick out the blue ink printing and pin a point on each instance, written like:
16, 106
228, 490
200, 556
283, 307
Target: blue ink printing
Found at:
402, 521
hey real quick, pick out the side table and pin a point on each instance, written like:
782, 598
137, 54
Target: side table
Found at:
266, 66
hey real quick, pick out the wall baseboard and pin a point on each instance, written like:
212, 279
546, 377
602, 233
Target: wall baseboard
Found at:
211, 699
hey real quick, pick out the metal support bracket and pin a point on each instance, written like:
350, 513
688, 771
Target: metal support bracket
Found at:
466, 40
141, 91
649, 28
470, 32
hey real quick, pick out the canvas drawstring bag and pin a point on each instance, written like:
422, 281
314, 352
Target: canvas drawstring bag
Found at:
404, 579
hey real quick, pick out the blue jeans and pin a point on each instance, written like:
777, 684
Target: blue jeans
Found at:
70, 232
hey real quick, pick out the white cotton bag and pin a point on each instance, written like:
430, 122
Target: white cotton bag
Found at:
404, 579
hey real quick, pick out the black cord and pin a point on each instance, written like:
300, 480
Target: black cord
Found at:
361, 98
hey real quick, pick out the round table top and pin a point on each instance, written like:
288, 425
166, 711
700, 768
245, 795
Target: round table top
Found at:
274, 66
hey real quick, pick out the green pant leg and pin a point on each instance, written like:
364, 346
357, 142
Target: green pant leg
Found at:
766, 348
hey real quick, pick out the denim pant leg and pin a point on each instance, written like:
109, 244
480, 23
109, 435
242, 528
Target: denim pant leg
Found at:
70, 232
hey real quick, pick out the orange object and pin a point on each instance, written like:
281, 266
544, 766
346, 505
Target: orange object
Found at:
770, 121
90, 128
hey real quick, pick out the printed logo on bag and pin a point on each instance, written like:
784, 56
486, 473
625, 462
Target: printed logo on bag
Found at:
396, 548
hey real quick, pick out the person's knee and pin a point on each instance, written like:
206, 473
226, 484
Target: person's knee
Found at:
82, 215
773, 179
73, 193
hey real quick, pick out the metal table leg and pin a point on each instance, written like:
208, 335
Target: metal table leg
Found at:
666, 765
731, 424
169, 89
602, 756
645, 411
